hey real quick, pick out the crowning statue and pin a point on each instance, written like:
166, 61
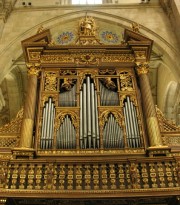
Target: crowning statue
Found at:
87, 31
87, 27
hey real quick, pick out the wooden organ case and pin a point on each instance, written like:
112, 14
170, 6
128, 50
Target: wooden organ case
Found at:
90, 130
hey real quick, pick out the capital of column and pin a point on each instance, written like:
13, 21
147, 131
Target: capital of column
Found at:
142, 68
33, 68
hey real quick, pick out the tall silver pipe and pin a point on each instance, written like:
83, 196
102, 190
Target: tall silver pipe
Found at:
131, 122
93, 115
84, 117
135, 126
127, 125
96, 119
88, 103
68, 134
51, 124
108, 132
81, 120
116, 129
43, 127
105, 136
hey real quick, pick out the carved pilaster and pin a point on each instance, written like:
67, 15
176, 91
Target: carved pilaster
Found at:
148, 105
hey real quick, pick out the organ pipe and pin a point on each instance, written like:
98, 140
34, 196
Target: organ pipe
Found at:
112, 135
89, 129
68, 97
108, 97
131, 122
66, 135
47, 125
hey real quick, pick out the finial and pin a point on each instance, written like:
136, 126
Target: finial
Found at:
135, 27
40, 29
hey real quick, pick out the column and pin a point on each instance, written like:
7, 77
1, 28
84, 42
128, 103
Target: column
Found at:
148, 105
29, 106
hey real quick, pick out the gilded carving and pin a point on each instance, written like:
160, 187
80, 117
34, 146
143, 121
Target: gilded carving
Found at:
82, 74
50, 81
109, 58
164, 124
67, 72
104, 114
57, 58
107, 71
34, 56
142, 68
135, 27
125, 82
14, 126
87, 59
86, 32
140, 55
33, 68
68, 84
61, 113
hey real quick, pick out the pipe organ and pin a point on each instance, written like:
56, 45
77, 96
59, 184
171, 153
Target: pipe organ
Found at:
89, 129
94, 98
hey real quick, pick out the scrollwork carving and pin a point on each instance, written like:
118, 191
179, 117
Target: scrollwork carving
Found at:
15, 125
50, 81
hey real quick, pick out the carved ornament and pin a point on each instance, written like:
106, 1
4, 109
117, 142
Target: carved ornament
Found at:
164, 124
135, 27
87, 59
50, 81
125, 82
109, 58
56, 58
14, 126
142, 68
33, 68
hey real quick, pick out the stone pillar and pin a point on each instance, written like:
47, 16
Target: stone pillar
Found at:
29, 106
148, 105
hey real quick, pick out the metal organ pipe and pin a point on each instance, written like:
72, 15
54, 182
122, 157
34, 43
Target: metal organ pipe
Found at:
66, 135
81, 119
84, 116
93, 116
68, 98
112, 135
132, 129
88, 103
89, 129
108, 97
47, 125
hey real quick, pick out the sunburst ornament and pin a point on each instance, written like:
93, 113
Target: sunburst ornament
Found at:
65, 38
109, 37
